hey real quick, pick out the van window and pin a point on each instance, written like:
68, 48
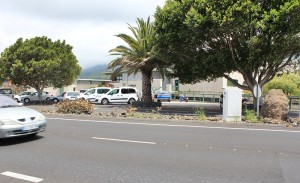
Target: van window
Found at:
124, 90
131, 90
91, 91
115, 91
101, 91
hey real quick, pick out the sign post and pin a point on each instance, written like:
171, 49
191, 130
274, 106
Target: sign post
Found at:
257, 94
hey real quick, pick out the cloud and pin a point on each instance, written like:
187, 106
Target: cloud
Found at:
89, 25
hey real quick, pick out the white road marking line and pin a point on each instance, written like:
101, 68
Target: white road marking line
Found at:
22, 177
185, 126
120, 140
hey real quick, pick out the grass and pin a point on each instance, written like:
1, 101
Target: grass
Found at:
200, 114
250, 116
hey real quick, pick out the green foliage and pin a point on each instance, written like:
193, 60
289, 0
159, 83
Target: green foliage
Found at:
138, 55
289, 83
74, 107
200, 114
250, 116
39, 63
207, 39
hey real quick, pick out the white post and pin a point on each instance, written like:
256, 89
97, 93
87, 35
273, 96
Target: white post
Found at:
257, 101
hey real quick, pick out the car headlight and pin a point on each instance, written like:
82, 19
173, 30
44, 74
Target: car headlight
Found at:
8, 122
41, 117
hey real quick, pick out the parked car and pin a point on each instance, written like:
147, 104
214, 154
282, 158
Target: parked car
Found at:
71, 95
17, 120
19, 96
83, 91
7, 92
164, 95
34, 97
93, 93
119, 95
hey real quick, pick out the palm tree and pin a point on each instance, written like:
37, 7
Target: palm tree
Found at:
138, 55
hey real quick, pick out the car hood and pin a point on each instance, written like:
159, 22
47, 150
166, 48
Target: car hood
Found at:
17, 112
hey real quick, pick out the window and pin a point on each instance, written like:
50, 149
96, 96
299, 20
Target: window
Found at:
114, 92
124, 90
91, 91
6, 91
101, 91
131, 90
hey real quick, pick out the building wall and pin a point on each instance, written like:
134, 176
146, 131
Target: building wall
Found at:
206, 87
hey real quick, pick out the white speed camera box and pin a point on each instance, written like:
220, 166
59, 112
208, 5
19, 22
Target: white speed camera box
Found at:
232, 104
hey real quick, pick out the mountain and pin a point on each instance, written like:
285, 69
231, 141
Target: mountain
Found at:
94, 72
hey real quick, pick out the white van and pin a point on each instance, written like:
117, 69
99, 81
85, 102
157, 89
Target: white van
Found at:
119, 95
93, 93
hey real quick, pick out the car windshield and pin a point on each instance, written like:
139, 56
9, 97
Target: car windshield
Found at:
7, 102
163, 92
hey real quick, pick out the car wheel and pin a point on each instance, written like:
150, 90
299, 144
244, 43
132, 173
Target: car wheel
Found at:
55, 100
169, 100
26, 100
104, 101
130, 101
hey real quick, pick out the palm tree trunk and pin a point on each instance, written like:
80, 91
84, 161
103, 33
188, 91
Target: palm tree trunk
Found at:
146, 86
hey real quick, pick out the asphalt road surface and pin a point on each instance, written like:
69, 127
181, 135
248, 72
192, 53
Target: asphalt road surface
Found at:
138, 151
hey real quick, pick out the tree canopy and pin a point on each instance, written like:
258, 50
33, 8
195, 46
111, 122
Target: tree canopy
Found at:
138, 55
207, 39
289, 83
39, 63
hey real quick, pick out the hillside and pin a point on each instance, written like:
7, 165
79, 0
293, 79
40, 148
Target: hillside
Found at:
94, 72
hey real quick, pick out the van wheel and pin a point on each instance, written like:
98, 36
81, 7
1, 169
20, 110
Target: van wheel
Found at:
130, 101
104, 101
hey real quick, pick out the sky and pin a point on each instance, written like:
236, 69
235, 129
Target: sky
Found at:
89, 26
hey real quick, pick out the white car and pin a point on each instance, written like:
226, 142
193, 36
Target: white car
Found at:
93, 93
18, 97
17, 120
72, 95
34, 97
119, 95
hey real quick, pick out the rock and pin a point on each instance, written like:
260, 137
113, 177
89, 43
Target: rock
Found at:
276, 105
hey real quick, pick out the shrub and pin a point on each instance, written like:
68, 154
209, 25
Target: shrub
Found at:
75, 106
250, 116
200, 113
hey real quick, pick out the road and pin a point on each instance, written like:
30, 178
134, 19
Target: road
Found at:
132, 151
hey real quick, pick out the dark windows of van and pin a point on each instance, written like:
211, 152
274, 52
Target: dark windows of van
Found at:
101, 91
131, 90
127, 90
124, 90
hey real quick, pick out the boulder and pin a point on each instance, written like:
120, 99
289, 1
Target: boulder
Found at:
276, 105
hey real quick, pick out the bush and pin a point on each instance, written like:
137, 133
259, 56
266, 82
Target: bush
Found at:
75, 106
200, 114
250, 116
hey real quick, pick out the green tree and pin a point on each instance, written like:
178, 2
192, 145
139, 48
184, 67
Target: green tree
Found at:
138, 55
207, 39
39, 63
289, 83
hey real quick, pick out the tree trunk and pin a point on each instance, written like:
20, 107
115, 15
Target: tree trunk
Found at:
146, 86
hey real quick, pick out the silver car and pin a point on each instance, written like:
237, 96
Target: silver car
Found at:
17, 120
